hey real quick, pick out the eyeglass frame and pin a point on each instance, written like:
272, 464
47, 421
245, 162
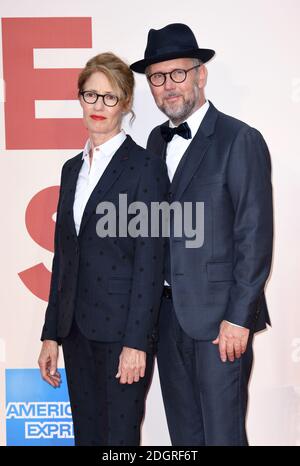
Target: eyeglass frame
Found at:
99, 95
170, 73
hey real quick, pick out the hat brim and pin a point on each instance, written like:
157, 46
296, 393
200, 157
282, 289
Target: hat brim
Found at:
202, 54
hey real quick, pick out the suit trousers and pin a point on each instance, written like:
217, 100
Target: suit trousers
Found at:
205, 399
104, 411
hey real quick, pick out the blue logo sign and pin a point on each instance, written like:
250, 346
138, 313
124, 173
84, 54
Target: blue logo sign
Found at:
36, 413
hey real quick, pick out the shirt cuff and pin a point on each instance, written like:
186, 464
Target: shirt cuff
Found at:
235, 325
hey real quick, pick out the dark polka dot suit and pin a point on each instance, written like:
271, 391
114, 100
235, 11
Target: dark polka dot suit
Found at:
105, 294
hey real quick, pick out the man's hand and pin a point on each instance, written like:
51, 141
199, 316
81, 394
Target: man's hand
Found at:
132, 365
232, 341
48, 363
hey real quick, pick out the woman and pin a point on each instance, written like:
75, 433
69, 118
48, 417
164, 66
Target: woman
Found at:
106, 286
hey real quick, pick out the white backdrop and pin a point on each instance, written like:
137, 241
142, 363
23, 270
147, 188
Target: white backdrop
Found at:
255, 76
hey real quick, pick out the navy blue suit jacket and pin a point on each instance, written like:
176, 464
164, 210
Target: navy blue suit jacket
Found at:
112, 285
227, 166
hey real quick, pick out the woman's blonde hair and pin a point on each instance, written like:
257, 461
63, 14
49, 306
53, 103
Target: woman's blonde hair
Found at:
117, 72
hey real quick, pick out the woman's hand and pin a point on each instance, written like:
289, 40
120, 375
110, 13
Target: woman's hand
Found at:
48, 363
132, 365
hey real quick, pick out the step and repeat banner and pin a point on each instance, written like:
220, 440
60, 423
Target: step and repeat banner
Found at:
255, 77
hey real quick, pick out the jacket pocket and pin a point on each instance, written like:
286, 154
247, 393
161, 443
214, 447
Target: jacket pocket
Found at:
219, 271
119, 285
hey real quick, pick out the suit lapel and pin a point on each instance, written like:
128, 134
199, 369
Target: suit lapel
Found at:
158, 144
163, 147
69, 190
109, 177
194, 154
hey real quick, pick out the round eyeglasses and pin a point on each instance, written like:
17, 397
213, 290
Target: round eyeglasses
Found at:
178, 76
91, 97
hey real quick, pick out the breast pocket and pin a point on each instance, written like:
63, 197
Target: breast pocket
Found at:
202, 180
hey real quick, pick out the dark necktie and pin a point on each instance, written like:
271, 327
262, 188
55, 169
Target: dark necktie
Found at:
182, 130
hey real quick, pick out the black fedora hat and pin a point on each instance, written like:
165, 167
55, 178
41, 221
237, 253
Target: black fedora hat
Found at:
173, 41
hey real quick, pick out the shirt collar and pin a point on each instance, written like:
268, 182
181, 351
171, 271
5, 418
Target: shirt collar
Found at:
107, 149
195, 120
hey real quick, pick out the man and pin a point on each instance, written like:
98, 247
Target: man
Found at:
214, 295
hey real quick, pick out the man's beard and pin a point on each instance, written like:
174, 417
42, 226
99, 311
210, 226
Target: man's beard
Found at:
180, 112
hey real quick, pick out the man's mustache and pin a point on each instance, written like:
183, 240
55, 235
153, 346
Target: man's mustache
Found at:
171, 94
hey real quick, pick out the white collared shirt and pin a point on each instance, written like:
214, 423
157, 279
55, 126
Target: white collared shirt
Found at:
90, 173
177, 147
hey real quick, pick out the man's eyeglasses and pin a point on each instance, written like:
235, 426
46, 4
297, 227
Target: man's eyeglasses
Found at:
178, 76
91, 97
